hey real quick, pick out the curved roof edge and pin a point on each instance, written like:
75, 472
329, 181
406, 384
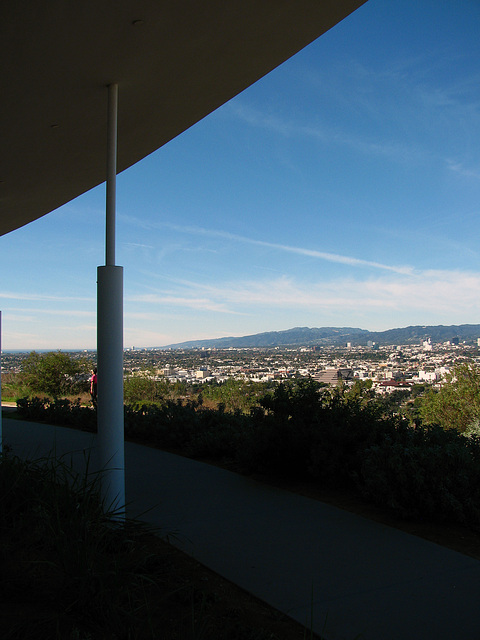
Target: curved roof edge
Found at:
175, 62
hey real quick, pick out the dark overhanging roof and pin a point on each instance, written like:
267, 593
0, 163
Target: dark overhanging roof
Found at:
175, 62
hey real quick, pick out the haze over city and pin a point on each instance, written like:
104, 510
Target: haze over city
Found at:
342, 189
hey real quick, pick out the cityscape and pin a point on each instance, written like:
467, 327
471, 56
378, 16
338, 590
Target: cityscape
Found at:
389, 367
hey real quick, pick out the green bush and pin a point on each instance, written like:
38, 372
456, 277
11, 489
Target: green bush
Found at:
168, 425
186, 427
234, 395
310, 432
145, 388
59, 411
425, 473
457, 404
219, 435
32, 408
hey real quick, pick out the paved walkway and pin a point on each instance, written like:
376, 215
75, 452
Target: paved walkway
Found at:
359, 578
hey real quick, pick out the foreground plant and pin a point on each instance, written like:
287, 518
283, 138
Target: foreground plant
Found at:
69, 570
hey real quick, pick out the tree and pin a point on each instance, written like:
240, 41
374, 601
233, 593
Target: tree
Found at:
361, 391
54, 373
294, 399
457, 404
145, 388
234, 395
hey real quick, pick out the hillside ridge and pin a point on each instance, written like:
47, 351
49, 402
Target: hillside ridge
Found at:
336, 336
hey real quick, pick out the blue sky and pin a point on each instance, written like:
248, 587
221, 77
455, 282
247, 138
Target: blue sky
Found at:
343, 189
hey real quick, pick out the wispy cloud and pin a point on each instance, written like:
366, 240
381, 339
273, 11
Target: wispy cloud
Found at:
197, 303
257, 118
327, 134
37, 297
66, 312
311, 253
138, 245
429, 291
14, 318
461, 169
31, 313
398, 108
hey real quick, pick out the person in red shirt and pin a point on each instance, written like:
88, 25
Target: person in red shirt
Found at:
93, 387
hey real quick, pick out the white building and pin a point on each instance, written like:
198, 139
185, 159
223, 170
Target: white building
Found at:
428, 376
427, 344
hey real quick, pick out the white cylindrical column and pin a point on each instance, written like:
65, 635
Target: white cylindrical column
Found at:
110, 421
111, 174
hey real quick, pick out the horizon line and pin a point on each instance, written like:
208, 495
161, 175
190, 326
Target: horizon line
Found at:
233, 337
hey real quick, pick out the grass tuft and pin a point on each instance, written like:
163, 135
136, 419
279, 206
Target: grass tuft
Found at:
73, 569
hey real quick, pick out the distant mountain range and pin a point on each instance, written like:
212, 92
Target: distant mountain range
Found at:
334, 336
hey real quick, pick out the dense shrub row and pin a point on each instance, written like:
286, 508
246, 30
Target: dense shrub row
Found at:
331, 437
425, 473
188, 428
57, 411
